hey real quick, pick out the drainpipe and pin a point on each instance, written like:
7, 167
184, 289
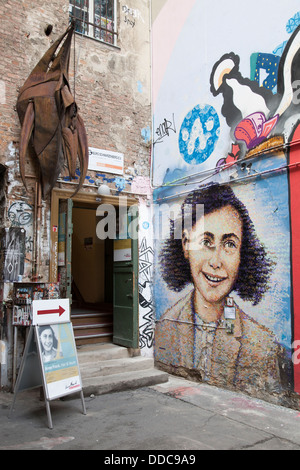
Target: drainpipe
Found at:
37, 227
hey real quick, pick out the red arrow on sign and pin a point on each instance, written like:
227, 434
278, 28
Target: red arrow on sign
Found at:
59, 310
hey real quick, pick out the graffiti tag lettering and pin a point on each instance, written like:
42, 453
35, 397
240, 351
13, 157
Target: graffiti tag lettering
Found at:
164, 129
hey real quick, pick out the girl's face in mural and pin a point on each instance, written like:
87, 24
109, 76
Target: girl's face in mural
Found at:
213, 249
47, 340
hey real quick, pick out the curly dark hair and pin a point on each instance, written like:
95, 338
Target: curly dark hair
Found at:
255, 267
48, 327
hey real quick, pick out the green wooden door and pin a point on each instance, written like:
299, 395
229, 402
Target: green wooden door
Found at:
65, 231
125, 293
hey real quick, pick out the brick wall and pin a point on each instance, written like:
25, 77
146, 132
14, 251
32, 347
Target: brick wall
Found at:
112, 91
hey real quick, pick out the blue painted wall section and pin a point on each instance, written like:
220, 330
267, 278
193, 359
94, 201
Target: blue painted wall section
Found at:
198, 134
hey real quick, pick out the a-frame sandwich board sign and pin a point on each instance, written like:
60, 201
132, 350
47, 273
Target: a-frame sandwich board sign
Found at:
50, 358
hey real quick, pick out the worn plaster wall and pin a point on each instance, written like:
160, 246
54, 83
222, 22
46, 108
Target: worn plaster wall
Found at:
112, 89
225, 135
114, 84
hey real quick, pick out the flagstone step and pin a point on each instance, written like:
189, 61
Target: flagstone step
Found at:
109, 368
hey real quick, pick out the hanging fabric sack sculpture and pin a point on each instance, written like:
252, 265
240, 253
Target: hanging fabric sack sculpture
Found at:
52, 129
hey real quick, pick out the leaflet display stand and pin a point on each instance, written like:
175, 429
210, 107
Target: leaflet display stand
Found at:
50, 358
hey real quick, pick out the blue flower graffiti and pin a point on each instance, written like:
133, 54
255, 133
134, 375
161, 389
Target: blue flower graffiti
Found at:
198, 134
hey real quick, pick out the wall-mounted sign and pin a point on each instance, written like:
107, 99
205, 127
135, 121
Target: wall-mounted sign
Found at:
106, 161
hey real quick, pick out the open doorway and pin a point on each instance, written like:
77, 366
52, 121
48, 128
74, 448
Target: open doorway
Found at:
92, 279
99, 276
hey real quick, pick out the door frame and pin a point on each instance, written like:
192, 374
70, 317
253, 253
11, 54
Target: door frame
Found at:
91, 200
127, 337
84, 198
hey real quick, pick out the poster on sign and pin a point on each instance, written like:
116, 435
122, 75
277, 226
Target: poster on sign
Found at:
50, 356
59, 361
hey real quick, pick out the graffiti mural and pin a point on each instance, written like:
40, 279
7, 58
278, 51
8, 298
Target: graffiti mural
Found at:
198, 134
145, 295
206, 330
252, 111
20, 214
12, 253
146, 254
226, 290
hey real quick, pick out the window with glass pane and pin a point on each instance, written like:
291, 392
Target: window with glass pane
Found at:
79, 13
95, 18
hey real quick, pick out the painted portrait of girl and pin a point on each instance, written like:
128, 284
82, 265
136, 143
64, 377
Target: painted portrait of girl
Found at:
205, 332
